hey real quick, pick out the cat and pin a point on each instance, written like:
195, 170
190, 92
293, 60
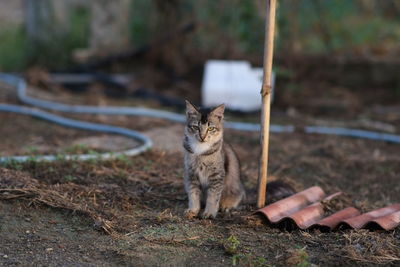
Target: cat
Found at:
211, 166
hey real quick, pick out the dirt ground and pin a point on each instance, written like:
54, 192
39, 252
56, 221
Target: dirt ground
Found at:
129, 211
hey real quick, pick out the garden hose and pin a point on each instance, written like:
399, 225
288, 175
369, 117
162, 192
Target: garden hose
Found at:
21, 87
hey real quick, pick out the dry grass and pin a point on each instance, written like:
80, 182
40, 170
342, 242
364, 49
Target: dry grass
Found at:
362, 246
141, 200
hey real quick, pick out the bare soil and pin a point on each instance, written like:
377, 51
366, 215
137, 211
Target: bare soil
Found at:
129, 211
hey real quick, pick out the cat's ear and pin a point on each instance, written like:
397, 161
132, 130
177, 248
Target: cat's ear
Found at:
191, 109
219, 111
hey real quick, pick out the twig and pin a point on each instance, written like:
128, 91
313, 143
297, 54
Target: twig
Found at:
172, 240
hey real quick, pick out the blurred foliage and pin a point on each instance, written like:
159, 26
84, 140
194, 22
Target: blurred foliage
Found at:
234, 22
57, 53
16, 53
339, 26
13, 49
142, 28
231, 29
228, 28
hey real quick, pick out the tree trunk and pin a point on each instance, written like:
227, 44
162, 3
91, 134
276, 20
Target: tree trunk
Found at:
109, 26
39, 20
46, 19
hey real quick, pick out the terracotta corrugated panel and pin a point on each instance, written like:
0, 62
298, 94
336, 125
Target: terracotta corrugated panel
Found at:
387, 222
306, 210
378, 216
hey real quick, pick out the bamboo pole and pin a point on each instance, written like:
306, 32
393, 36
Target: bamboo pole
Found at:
266, 101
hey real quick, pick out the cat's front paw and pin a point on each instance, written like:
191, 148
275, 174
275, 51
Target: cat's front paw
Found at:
227, 213
190, 214
209, 215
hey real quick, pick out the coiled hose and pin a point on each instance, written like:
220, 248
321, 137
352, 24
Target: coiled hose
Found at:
21, 87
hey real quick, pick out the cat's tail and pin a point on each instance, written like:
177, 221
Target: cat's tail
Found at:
276, 190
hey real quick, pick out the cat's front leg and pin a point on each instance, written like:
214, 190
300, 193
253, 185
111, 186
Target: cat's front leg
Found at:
214, 193
192, 186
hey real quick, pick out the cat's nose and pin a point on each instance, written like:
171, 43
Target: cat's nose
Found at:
202, 138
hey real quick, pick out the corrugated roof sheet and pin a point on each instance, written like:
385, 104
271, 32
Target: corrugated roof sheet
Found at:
306, 210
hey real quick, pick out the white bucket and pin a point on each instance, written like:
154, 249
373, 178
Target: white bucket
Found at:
233, 83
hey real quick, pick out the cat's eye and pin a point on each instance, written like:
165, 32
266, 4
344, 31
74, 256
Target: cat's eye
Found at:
194, 127
212, 128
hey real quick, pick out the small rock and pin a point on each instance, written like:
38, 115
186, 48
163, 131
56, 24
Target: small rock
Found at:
49, 249
28, 232
5, 256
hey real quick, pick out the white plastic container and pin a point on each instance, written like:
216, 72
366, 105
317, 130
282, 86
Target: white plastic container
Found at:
233, 83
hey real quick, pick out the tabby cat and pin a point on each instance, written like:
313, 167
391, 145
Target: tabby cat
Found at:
211, 167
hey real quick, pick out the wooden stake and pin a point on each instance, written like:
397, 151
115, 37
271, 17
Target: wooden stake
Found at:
266, 101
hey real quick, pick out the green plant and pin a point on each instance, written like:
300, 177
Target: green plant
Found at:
12, 164
77, 149
299, 257
70, 178
231, 245
32, 149
124, 159
248, 259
